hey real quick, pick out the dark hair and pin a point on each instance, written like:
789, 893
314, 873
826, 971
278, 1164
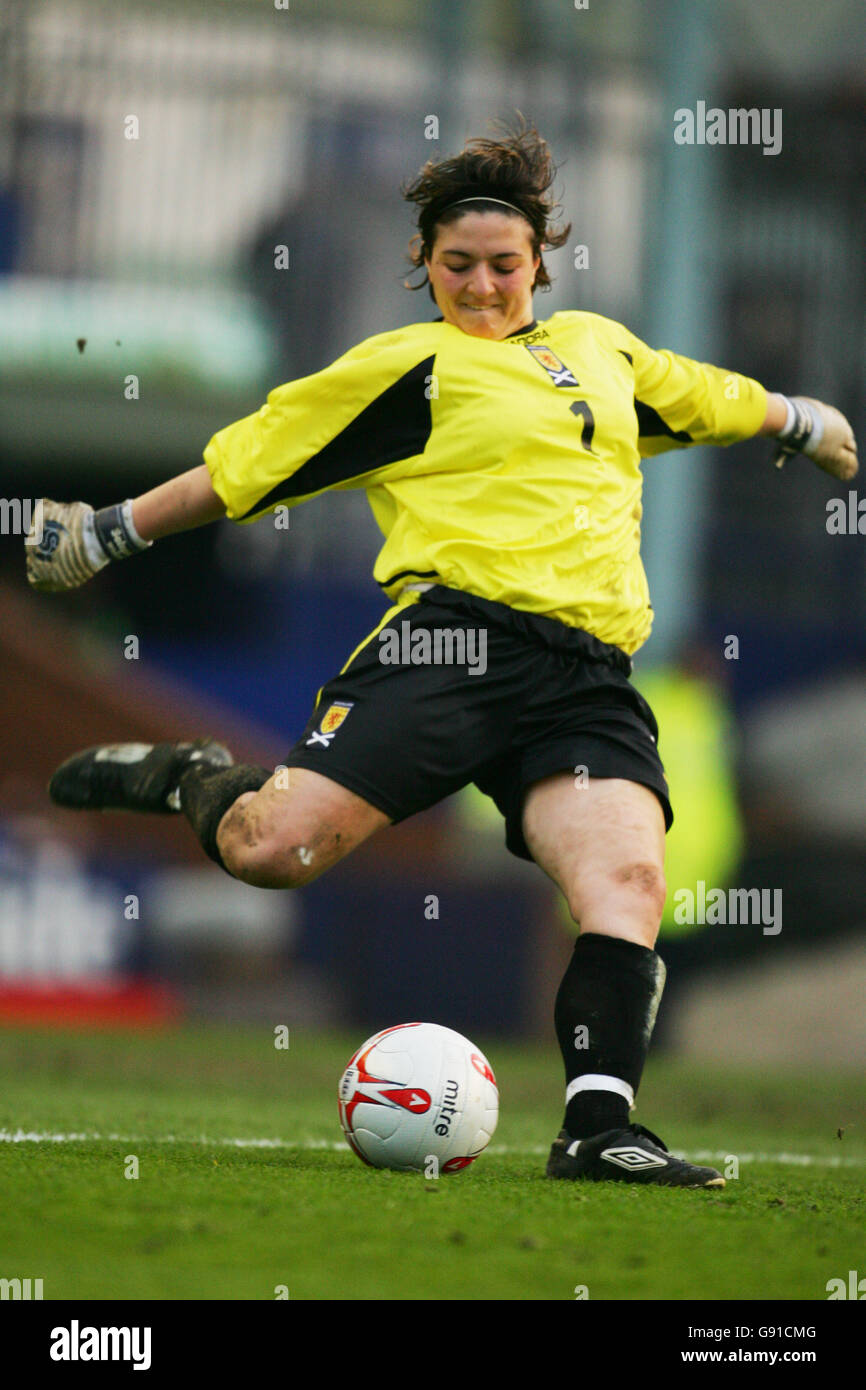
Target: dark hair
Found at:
518, 169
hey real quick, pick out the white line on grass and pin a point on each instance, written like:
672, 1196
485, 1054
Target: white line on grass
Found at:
25, 1136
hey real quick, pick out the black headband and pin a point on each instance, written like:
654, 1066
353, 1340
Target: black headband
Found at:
482, 198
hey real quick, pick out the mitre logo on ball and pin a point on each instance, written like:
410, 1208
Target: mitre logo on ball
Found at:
415, 1093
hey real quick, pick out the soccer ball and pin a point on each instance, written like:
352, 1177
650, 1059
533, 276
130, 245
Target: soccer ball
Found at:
418, 1097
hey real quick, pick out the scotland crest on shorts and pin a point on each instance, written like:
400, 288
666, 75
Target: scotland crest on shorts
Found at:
330, 722
556, 369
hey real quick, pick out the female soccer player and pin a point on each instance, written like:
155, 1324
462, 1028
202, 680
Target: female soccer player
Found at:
501, 457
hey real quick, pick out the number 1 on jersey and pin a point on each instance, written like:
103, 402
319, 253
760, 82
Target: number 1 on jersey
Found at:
582, 409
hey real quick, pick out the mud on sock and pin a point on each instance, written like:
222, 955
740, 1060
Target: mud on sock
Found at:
206, 793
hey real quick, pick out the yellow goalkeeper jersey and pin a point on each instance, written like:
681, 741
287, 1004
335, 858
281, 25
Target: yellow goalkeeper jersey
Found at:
509, 469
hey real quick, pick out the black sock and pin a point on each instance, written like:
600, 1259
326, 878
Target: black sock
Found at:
605, 1011
206, 793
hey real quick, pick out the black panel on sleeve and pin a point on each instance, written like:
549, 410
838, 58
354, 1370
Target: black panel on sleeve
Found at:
394, 426
651, 425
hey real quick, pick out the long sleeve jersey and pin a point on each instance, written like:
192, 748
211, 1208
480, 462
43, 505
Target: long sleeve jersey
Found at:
509, 469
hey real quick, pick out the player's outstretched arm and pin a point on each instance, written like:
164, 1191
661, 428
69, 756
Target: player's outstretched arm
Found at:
806, 426
69, 542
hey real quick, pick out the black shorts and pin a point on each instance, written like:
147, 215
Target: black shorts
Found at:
523, 697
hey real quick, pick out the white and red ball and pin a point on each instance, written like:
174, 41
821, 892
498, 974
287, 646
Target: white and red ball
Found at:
416, 1093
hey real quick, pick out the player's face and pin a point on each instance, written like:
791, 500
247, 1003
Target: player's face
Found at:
481, 269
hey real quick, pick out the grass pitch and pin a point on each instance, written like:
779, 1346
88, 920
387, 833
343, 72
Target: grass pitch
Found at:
211, 1218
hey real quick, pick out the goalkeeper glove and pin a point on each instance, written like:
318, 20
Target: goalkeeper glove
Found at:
821, 433
68, 542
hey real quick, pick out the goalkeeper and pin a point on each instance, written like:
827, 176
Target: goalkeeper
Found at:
501, 457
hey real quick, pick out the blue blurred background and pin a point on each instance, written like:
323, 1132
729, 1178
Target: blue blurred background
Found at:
153, 158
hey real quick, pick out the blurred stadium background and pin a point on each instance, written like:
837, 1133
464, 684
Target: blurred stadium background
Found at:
152, 160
